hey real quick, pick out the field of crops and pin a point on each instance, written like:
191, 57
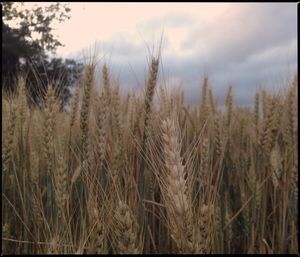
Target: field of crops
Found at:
149, 173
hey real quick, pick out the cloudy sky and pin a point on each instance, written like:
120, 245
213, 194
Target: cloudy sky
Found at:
247, 45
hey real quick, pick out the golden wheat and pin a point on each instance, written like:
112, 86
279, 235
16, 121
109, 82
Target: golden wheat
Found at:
133, 173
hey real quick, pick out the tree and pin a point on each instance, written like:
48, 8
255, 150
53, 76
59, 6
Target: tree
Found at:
37, 20
25, 47
61, 74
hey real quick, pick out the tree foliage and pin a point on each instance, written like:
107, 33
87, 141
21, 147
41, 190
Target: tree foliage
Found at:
27, 41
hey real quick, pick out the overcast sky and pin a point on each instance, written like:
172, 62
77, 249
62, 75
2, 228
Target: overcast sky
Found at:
247, 45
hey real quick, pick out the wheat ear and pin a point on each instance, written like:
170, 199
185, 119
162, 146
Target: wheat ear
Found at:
61, 184
8, 147
229, 104
49, 125
126, 230
175, 190
84, 115
74, 106
101, 119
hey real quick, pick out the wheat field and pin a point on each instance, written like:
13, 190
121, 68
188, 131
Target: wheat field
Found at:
149, 173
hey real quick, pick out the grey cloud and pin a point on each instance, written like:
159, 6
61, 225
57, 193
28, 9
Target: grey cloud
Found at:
264, 69
243, 30
261, 55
